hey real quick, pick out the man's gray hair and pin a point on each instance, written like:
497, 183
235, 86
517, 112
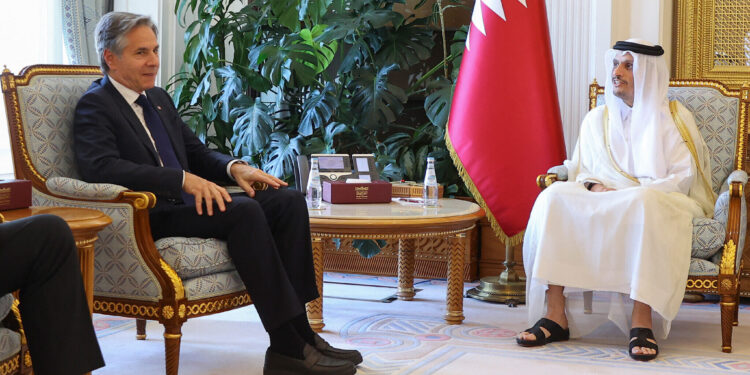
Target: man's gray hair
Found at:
111, 30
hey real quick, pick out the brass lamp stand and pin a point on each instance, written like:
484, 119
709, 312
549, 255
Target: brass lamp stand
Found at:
508, 288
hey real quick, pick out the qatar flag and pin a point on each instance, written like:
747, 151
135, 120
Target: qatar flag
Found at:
504, 127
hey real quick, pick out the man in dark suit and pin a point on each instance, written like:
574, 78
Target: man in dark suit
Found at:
128, 132
38, 255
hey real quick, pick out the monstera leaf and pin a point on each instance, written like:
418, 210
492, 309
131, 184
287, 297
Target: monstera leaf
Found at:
281, 62
318, 109
252, 126
377, 101
281, 154
406, 46
368, 248
437, 105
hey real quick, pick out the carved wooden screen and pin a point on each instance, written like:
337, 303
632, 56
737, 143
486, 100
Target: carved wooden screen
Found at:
712, 41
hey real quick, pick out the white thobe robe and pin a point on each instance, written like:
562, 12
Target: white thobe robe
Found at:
631, 243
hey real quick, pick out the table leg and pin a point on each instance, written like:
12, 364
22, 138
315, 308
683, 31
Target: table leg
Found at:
85, 245
454, 299
315, 307
405, 269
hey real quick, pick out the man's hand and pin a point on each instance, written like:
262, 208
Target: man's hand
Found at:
600, 188
245, 175
205, 190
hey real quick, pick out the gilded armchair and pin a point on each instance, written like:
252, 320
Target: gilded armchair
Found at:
14, 353
170, 280
723, 118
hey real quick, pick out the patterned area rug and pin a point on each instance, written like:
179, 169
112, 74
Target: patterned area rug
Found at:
410, 337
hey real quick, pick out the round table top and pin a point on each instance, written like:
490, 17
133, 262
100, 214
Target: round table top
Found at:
396, 210
77, 218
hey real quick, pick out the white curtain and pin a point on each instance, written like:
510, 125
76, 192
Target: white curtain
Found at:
79, 21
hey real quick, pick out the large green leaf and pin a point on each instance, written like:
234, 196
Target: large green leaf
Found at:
437, 105
368, 248
318, 109
382, 17
282, 153
406, 46
281, 62
252, 127
324, 52
377, 101
288, 13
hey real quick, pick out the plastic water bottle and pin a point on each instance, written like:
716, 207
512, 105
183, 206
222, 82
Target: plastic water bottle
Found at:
430, 193
314, 188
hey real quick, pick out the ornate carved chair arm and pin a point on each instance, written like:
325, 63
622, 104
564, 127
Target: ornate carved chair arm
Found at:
76, 189
737, 176
556, 173
731, 210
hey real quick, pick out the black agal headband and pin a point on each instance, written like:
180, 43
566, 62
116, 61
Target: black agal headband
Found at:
639, 48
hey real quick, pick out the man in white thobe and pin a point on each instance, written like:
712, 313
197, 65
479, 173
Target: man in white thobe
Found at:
621, 225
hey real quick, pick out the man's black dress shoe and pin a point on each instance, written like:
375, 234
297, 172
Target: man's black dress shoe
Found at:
327, 350
314, 363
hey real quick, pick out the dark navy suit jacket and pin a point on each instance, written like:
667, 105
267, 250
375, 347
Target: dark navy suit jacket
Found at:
111, 145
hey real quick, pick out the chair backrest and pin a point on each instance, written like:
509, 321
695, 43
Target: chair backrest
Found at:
40, 102
720, 114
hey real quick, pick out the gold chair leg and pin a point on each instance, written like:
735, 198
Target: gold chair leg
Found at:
405, 269
315, 308
172, 338
455, 294
140, 329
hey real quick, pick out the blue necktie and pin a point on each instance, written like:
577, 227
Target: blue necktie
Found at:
161, 139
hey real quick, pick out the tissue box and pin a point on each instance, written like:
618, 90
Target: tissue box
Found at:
368, 192
15, 194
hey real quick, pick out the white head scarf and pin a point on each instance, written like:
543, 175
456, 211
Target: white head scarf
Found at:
650, 112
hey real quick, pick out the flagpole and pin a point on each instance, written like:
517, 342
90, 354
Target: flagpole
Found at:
508, 288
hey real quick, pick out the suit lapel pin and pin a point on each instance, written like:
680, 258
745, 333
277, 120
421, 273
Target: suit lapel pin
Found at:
158, 107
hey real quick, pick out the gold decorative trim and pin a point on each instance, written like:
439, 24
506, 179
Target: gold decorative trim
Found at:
167, 312
179, 289
142, 199
702, 283
86, 242
27, 359
394, 236
172, 335
504, 238
126, 308
728, 263
10, 366
17, 314
181, 311
218, 305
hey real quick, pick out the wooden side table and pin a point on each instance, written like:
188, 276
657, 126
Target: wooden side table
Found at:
452, 220
85, 224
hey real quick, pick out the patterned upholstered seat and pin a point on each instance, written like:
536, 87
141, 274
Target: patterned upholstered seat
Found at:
722, 118
170, 281
10, 340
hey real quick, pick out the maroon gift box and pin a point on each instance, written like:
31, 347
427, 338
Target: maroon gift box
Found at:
15, 194
367, 192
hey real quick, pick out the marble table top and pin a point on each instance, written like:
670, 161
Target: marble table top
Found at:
399, 208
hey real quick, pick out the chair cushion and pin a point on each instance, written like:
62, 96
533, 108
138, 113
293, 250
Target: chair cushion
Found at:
6, 302
702, 267
10, 343
193, 257
708, 237
213, 285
